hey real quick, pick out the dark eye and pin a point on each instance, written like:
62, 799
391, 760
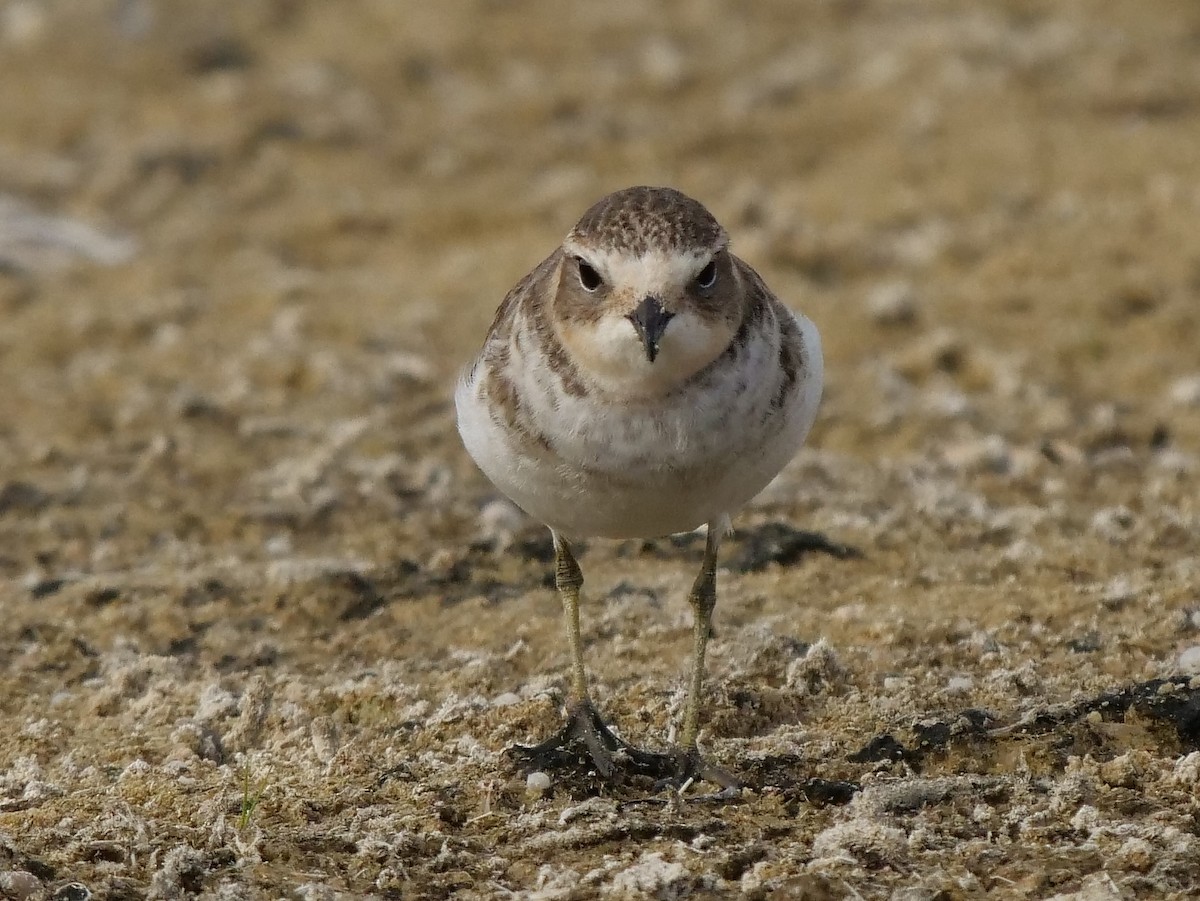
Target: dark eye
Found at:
708, 276
588, 276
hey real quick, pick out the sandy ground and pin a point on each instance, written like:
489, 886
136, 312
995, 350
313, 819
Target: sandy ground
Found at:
267, 632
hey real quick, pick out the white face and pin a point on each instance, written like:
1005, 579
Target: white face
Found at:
606, 344
656, 272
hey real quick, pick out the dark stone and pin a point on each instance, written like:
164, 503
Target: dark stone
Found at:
22, 496
220, 54
880, 748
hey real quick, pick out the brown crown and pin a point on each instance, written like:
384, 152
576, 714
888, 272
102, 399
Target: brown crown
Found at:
639, 219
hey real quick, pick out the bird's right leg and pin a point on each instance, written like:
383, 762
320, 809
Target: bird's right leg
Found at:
583, 720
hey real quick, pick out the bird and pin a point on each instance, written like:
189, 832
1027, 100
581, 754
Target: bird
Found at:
641, 381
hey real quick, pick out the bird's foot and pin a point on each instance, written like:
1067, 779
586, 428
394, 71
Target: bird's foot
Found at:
586, 737
586, 733
691, 767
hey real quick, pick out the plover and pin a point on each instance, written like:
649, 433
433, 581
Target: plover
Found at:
640, 381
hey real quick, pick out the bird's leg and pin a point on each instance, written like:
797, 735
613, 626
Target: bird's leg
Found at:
703, 600
568, 579
584, 722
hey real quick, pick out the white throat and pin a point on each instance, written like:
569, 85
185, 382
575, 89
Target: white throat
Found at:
613, 355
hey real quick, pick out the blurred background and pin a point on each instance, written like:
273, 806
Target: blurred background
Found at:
246, 246
238, 208
227, 227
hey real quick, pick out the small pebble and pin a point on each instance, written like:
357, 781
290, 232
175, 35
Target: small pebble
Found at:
663, 63
652, 876
1021, 551
1062, 453
325, 737
862, 839
409, 367
537, 783
892, 303
1187, 770
1117, 593
138, 767
1121, 772
1175, 462
946, 402
983, 813
1186, 391
18, 884
1113, 523
279, 545
942, 350
72, 891
1189, 659
498, 520
1086, 819
1137, 853
987, 454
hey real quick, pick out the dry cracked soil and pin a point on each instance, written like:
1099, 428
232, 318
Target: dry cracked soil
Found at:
266, 632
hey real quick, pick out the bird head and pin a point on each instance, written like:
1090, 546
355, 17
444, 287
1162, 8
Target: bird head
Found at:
647, 293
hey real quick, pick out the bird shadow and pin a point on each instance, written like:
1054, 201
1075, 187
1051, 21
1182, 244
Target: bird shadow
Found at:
752, 550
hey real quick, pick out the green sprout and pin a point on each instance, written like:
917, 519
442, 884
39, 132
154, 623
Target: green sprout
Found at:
252, 792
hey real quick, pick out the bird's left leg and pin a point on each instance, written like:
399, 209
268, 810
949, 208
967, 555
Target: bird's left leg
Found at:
703, 600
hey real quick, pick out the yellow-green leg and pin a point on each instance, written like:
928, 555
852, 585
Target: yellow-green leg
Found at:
568, 579
584, 722
703, 599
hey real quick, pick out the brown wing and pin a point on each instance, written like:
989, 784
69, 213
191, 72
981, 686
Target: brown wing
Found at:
506, 313
761, 303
